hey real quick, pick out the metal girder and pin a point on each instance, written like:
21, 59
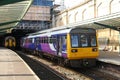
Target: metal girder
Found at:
11, 12
106, 26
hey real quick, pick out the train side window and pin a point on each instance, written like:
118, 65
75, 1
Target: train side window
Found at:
83, 40
46, 40
37, 40
33, 40
74, 40
42, 40
29, 40
52, 40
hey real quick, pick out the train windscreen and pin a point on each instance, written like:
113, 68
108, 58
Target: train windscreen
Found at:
83, 40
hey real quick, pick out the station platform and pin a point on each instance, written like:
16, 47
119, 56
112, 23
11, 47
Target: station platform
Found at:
12, 67
109, 57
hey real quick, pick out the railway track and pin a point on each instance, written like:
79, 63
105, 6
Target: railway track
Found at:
98, 74
101, 72
41, 70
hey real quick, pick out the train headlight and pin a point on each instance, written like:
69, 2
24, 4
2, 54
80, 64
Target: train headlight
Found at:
94, 49
74, 50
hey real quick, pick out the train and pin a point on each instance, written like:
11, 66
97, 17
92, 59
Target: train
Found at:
75, 47
10, 42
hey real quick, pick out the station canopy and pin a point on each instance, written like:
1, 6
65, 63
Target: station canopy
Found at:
111, 21
11, 12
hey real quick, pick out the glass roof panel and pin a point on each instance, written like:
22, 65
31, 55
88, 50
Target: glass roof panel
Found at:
11, 12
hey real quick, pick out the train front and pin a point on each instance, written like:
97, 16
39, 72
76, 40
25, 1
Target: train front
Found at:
82, 47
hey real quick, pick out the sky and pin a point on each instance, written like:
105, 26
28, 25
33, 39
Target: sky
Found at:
69, 3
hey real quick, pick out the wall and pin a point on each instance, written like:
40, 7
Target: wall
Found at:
41, 13
87, 10
92, 9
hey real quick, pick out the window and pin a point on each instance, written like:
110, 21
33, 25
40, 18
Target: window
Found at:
84, 41
74, 40
64, 38
33, 40
30, 40
93, 41
37, 40
52, 40
43, 39
63, 43
46, 40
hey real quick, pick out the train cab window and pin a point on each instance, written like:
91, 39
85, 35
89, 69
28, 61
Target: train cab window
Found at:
83, 40
93, 41
74, 40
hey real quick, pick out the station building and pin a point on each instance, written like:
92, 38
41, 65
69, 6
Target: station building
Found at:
88, 10
38, 17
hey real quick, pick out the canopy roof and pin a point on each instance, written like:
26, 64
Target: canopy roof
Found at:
111, 21
11, 12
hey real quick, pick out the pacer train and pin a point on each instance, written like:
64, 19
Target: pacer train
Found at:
75, 47
10, 42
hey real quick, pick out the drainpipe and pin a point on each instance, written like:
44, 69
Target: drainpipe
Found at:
110, 6
83, 14
66, 16
94, 8
97, 9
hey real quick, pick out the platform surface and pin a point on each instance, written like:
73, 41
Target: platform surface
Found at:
12, 67
109, 57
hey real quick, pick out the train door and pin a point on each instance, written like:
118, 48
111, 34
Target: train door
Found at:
35, 43
62, 45
59, 46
